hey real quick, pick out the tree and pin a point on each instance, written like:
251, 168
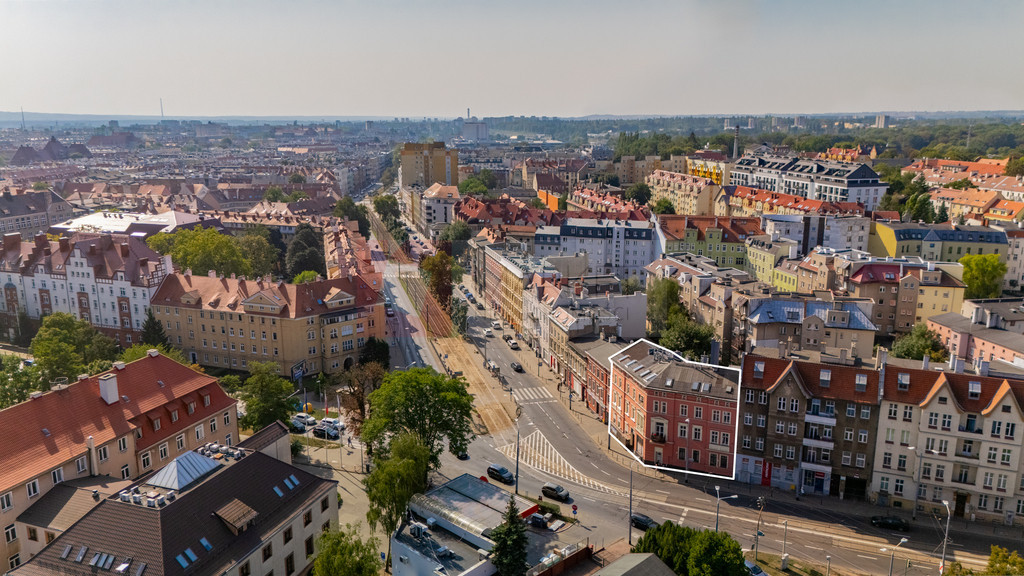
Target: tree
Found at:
472, 186
460, 316
231, 383
961, 184
140, 351
714, 554
356, 385
537, 203
296, 178
305, 252
983, 274
261, 254
437, 272
305, 276
201, 250
17, 382
265, 395
347, 208
688, 338
66, 347
920, 342
662, 298
942, 215
433, 406
639, 193
386, 207
153, 330
663, 206
631, 286
394, 481
344, 553
563, 202
488, 178
509, 551
39, 186
274, 194
457, 234
376, 350
1015, 167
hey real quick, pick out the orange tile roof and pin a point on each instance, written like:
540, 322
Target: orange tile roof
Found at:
74, 414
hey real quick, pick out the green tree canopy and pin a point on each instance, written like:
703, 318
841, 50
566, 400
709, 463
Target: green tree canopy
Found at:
662, 298
631, 285
509, 552
472, 186
563, 202
139, 351
305, 252
437, 271
265, 395
305, 276
434, 407
355, 385
1015, 167
386, 207
201, 250
663, 206
920, 342
690, 552
296, 178
639, 193
457, 234
685, 336
153, 331
17, 382
66, 347
347, 208
40, 186
376, 350
261, 254
983, 274
274, 194
343, 553
394, 480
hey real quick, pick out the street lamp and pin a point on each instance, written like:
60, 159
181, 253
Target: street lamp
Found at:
945, 538
828, 565
686, 461
718, 503
629, 521
519, 412
892, 553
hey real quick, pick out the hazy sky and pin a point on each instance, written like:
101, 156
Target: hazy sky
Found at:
551, 57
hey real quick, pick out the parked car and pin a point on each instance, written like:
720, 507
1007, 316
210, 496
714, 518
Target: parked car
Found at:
537, 521
479, 305
555, 491
470, 297
890, 523
500, 473
325, 432
488, 332
496, 325
462, 455
305, 419
517, 366
296, 427
752, 569
462, 287
335, 423
513, 344
642, 521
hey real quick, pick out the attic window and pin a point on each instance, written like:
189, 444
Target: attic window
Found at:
825, 377
862, 383
758, 369
974, 390
278, 491
903, 381
942, 400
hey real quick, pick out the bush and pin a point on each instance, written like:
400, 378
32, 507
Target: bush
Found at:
296, 448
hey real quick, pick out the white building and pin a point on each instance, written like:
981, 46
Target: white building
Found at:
437, 206
107, 279
812, 230
809, 178
619, 247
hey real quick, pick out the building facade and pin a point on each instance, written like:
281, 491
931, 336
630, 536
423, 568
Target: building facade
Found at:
424, 165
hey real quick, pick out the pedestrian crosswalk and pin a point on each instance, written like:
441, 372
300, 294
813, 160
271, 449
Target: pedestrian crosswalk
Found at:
532, 395
536, 452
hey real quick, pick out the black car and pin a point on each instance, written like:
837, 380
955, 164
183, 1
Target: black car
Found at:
479, 305
642, 521
325, 432
500, 473
555, 491
890, 523
517, 366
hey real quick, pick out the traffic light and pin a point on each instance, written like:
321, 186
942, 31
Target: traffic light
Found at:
761, 501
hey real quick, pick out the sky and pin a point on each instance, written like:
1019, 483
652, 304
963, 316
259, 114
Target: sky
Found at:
416, 58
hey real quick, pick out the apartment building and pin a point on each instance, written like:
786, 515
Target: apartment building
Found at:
597, 353
29, 212
813, 230
765, 252
747, 201
719, 238
571, 322
309, 328
688, 194
424, 165
711, 165
436, 209
936, 242
982, 336
674, 413
903, 295
220, 510
1014, 278
613, 246
964, 203
950, 435
808, 427
797, 323
106, 279
810, 178
94, 432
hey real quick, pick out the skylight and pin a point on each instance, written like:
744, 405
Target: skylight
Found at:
67, 550
181, 560
294, 479
206, 543
123, 567
278, 492
289, 484
191, 555
81, 553
140, 569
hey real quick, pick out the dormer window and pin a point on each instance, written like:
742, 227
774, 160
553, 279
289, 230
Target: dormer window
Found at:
174, 415
974, 390
862, 383
903, 381
206, 399
825, 377
758, 369
191, 407
156, 424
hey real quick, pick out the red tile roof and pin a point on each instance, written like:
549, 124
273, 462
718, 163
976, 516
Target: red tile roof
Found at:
74, 414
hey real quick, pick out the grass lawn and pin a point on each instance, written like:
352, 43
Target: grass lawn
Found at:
770, 564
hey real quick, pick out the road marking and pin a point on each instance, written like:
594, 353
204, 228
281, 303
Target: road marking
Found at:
537, 452
662, 491
702, 500
808, 546
863, 556
589, 499
535, 394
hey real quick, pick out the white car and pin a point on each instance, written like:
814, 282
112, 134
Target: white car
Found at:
496, 325
335, 423
513, 344
488, 332
305, 419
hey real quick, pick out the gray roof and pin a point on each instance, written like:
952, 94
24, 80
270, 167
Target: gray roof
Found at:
957, 323
183, 470
636, 564
793, 311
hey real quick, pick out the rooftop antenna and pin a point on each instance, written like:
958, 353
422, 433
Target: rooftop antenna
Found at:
161, 108
23, 129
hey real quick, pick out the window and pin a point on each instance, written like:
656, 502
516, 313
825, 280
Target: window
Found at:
865, 412
289, 565
200, 432
782, 403
10, 533
57, 475
887, 460
761, 421
851, 411
163, 451
307, 518
901, 463
122, 443
908, 413
848, 435
947, 421
174, 415
245, 570
33, 535
80, 464
32, 488
7, 500
904, 437
1005, 460
14, 561
778, 450
125, 472
287, 534
268, 552
862, 383
892, 411
794, 405
180, 442
780, 427
309, 547
324, 504
147, 460
898, 487
213, 425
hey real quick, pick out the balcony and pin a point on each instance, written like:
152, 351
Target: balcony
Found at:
966, 454
819, 443
824, 418
657, 437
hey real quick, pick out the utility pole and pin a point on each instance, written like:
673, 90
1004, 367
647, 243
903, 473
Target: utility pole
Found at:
629, 521
519, 412
757, 530
945, 538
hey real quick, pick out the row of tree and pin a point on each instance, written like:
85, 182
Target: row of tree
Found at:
480, 183
671, 325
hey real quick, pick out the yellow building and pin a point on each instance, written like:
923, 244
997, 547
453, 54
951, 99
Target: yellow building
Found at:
716, 170
785, 276
937, 292
765, 253
315, 327
936, 242
688, 194
425, 164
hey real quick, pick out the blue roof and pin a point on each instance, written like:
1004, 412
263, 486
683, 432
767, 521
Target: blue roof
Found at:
792, 312
183, 470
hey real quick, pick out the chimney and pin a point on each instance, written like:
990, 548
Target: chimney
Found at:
991, 320
976, 316
65, 244
882, 358
108, 388
842, 355
153, 352
92, 455
925, 362
11, 241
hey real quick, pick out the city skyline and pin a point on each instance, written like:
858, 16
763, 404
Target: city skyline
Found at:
387, 59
